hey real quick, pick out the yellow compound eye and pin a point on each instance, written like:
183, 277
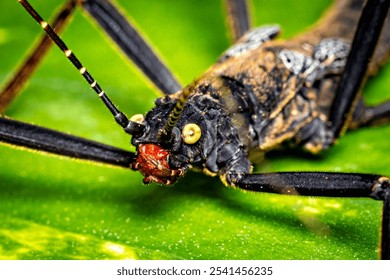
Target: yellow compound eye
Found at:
191, 133
138, 118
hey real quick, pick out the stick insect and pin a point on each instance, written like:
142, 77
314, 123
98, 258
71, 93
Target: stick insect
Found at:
286, 58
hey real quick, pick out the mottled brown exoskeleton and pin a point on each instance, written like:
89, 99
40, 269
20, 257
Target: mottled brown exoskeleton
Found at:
262, 93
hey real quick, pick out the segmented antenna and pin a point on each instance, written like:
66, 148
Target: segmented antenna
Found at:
128, 126
166, 134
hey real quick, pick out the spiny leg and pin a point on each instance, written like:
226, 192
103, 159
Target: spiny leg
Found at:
323, 184
132, 44
18, 80
363, 45
238, 17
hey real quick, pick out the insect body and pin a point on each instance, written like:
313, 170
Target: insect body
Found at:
261, 93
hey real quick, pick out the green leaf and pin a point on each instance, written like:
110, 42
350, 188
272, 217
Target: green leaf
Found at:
58, 208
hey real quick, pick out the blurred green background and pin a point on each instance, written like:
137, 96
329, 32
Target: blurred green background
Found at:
58, 208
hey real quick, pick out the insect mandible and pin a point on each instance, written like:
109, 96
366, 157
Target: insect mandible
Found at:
226, 100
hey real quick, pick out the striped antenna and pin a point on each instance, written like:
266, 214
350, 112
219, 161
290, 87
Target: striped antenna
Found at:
130, 127
166, 134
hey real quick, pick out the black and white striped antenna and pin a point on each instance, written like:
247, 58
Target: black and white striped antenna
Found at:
129, 126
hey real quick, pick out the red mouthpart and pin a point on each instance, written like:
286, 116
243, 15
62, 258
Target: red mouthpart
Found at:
152, 162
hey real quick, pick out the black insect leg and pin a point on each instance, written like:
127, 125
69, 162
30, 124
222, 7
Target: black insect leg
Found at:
323, 184
329, 184
132, 44
42, 139
363, 45
18, 80
238, 17
370, 115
